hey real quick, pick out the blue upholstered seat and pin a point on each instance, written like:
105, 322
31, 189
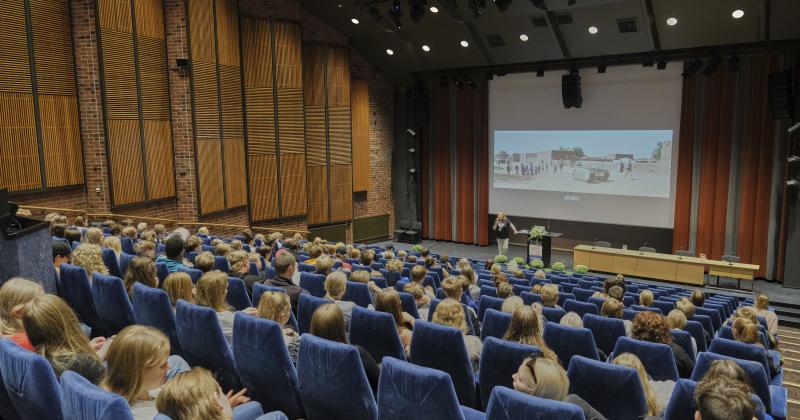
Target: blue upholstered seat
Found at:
193, 273
377, 333
161, 272
112, 303
507, 404
684, 339
487, 302
306, 306
81, 399
30, 382
664, 306
260, 288
500, 359
613, 390
313, 283
409, 304
695, 328
581, 308
582, 295
203, 343
73, 286
237, 295
605, 331
152, 307
658, 359
553, 314
221, 263
716, 320
358, 293
567, 342
745, 351
529, 298
124, 261
495, 324
111, 262
681, 404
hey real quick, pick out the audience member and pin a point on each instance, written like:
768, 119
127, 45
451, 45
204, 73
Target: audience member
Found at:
285, 268
276, 306
677, 322
652, 327
550, 296
698, 298
761, 308
504, 290
511, 304
721, 400
526, 328
239, 262
613, 308
222, 249
62, 254
646, 298
324, 265
389, 301
453, 289
174, 246
422, 300
572, 319
140, 270
94, 236
449, 312
178, 285
656, 393
15, 294
197, 395
314, 252
72, 235
212, 288
204, 261
90, 258
113, 243
146, 249
335, 287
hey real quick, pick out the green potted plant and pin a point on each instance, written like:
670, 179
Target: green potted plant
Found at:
538, 264
558, 266
417, 248
536, 234
518, 260
580, 268
500, 259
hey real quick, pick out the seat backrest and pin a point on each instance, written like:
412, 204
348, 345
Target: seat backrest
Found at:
440, 347
305, 310
727, 332
124, 260
664, 306
74, 287
409, 304
658, 359
193, 273
759, 380
695, 328
332, 381
567, 342
152, 307
716, 320
162, 272
377, 333
642, 308
221, 263
581, 308
203, 343
739, 350
488, 291
112, 303
313, 283
495, 324
596, 301
553, 314
237, 294
681, 404
127, 245
530, 298
264, 365
563, 297
582, 295
508, 404
684, 339
30, 382
613, 390
605, 331
111, 262
410, 391
358, 293
500, 359
705, 321
81, 399
487, 302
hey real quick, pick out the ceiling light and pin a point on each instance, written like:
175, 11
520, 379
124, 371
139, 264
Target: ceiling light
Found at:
593, 30
459, 84
672, 21
389, 51
464, 44
434, 9
354, 20
793, 159
523, 37
738, 13
426, 48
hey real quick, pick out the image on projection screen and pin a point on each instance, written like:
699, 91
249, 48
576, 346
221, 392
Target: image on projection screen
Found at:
610, 162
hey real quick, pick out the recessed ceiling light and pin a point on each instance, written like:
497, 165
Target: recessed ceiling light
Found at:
672, 21
464, 44
354, 20
434, 9
426, 48
340, 5
737, 13
389, 51
593, 30
523, 37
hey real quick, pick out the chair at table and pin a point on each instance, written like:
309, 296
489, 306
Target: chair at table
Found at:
500, 359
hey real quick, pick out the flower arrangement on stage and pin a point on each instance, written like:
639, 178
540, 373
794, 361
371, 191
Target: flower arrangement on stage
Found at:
538, 264
558, 266
580, 268
500, 259
417, 248
518, 260
537, 232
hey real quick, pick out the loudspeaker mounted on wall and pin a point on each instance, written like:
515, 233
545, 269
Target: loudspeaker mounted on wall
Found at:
781, 103
183, 64
571, 90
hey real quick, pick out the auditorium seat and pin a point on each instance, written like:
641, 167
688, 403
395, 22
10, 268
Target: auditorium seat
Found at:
684, 340
563, 297
658, 359
681, 404
260, 288
665, 307
488, 291
500, 359
432, 309
553, 314
529, 298
193, 273
127, 245
152, 307
124, 261
568, 342
237, 295
495, 323
377, 333
73, 286
111, 262
615, 391
30, 382
487, 302
581, 308
508, 404
409, 304
162, 272
606, 331
745, 351
306, 306
705, 321
221, 264
727, 332
112, 302
695, 328
582, 295
332, 381
642, 308
81, 399
716, 320
313, 283
358, 293
597, 302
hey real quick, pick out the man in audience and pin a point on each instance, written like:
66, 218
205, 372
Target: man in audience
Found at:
61, 255
341, 256
285, 268
174, 249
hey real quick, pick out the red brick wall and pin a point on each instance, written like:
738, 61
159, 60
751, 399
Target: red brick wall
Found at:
183, 209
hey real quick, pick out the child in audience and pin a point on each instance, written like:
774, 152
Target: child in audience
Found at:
335, 287
328, 322
526, 328
745, 331
222, 249
94, 236
698, 298
656, 393
90, 257
15, 294
55, 334
540, 275
146, 249
449, 312
212, 288
550, 296
422, 300
761, 308
677, 321
204, 261
453, 289
197, 395
444, 262
276, 306
418, 274
613, 308
646, 298
511, 304
572, 319
652, 327
363, 276
389, 301
237, 245
314, 252
366, 257
504, 290
178, 285
140, 270
325, 265
113, 243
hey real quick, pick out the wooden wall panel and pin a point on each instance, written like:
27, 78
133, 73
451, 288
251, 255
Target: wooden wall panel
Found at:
260, 121
120, 77
160, 164
340, 137
313, 69
52, 44
288, 55
316, 139
228, 32
209, 164
61, 140
154, 78
338, 76
293, 185
15, 70
359, 117
206, 105
125, 159
150, 18
235, 174
115, 15
19, 162
341, 193
201, 30
291, 121
231, 92
257, 53
317, 194
263, 187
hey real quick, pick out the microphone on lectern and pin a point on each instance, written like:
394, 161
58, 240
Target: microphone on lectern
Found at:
640, 249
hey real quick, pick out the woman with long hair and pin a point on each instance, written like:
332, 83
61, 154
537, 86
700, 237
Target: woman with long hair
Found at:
655, 402
140, 270
15, 294
90, 258
388, 301
526, 328
502, 229
178, 285
212, 288
450, 313
197, 395
277, 307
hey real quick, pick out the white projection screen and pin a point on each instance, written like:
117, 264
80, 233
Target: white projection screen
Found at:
611, 161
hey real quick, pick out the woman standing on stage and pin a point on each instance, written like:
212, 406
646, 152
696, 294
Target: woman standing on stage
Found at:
502, 229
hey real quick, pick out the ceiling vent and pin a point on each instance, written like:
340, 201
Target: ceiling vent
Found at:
565, 19
539, 22
627, 26
495, 40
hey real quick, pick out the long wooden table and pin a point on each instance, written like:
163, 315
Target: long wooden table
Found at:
659, 266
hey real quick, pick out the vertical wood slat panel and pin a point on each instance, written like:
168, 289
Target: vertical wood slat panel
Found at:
19, 162
291, 120
52, 44
341, 193
209, 164
315, 135
260, 121
293, 185
288, 55
228, 32
338, 74
206, 105
15, 74
263, 187
119, 76
160, 165
231, 95
317, 180
235, 175
154, 78
126, 161
340, 136
359, 102
61, 140
257, 53
150, 18
201, 30
313, 68
115, 15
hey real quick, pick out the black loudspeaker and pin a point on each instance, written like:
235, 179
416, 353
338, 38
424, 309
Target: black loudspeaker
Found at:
781, 103
571, 90
183, 63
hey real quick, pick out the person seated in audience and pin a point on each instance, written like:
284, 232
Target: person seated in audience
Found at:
761, 308
72, 235
504, 290
444, 262
656, 393
15, 294
178, 285
365, 277
94, 236
222, 249
160, 230
652, 327
354, 253
140, 270
328, 322
212, 288
324, 265
472, 278
275, 306
130, 233
613, 308
719, 399
314, 252
618, 293
510, 304
62, 254
465, 289
540, 275
646, 298
57, 231
389, 302
422, 300
204, 261
137, 365
450, 313
499, 279
698, 298
193, 244
141, 227
285, 267
54, 332
146, 249
239, 262
572, 319
393, 265
335, 287
550, 296
174, 246
149, 236
536, 289
749, 314
518, 273
544, 377
215, 242
526, 328
608, 283
401, 255
746, 331
411, 258
367, 257
90, 258
452, 288
729, 373
677, 322
197, 395
418, 274
387, 255
247, 237
341, 256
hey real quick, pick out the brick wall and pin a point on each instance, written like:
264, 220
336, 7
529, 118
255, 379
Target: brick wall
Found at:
183, 209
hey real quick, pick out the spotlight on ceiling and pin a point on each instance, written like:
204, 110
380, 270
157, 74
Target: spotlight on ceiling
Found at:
411, 132
464, 43
733, 63
672, 21
417, 10
793, 159
502, 5
434, 9
395, 13
389, 51
459, 84
539, 4
601, 68
355, 21
792, 183
712, 66
375, 14
426, 48
471, 83
692, 68
737, 14
539, 72
661, 65
523, 37
593, 30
